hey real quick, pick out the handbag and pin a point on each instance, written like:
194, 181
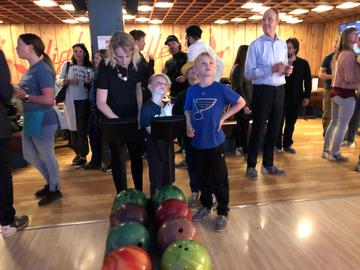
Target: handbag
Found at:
60, 97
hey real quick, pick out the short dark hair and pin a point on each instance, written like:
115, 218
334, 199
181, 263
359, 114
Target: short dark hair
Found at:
295, 44
137, 34
103, 53
194, 31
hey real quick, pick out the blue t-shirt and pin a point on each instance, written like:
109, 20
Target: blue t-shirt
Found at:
207, 105
148, 111
39, 76
327, 65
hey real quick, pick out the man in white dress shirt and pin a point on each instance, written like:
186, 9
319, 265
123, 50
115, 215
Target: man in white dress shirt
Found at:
266, 66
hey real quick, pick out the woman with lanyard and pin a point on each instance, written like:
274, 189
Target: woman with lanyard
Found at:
76, 75
119, 95
36, 90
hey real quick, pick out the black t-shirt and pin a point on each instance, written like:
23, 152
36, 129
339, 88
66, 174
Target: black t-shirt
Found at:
121, 94
173, 66
148, 111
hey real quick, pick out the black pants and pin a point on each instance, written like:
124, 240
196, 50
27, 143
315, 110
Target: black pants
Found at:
161, 165
212, 162
7, 211
242, 128
79, 143
290, 116
118, 162
267, 105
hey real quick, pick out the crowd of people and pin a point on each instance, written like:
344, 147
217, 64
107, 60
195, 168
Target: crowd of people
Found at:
269, 84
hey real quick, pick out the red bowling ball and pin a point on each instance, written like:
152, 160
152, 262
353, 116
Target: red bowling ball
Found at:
129, 258
176, 229
170, 209
129, 212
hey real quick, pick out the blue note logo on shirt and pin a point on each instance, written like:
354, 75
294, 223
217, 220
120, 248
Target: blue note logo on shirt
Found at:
201, 105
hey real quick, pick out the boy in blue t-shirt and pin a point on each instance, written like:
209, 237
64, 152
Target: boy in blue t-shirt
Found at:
156, 149
204, 109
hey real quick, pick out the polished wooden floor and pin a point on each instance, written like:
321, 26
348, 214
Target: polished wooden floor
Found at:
319, 234
88, 194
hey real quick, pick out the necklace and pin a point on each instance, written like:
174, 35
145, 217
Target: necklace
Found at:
120, 76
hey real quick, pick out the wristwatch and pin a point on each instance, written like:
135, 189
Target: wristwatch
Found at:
26, 98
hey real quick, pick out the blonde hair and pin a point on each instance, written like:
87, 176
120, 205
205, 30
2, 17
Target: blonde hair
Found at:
160, 75
343, 42
201, 55
127, 43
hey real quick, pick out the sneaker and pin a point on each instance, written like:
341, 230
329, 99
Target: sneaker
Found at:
20, 222
276, 150
290, 150
326, 154
107, 168
75, 160
80, 163
348, 144
239, 151
200, 214
50, 197
42, 192
357, 167
251, 173
91, 166
181, 165
220, 223
194, 199
338, 158
272, 170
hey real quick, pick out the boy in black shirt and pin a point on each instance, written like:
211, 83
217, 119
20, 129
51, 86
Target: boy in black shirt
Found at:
156, 149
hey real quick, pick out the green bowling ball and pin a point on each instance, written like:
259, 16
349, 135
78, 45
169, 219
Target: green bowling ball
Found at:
128, 233
185, 255
129, 196
165, 193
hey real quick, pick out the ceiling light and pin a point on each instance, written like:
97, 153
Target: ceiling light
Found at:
255, 17
145, 8
155, 21
221, 21
68, 7
285, 17
128, 17
82, 19
322, 8
1, 21
294, 20
142, 19
46, 3
260, 9
164, 4
299, 11
71, 21
347, 5
238, 19
251, 5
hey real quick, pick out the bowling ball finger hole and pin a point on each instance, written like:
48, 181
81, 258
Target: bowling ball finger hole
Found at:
180, 230
180, 246
186, 249
140, 245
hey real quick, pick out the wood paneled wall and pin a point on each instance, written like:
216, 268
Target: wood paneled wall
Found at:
315, 41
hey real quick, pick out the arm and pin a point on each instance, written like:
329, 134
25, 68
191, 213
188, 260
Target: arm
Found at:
47, 97
6, 89
101, 98
323, 75
61, 80
351, 68
253, 72
190, 132
307, 81
234, 109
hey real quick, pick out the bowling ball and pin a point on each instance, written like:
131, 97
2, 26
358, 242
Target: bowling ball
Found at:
165, 193
128, 233
129, 258
185, 254
129, 196
129, 212
170, 209
175, 229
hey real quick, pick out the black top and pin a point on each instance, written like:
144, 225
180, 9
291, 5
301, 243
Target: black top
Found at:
179, 104
327, 65
6, 92
121, 94
148, 111
298, 84
147, 70
173, 67
240, 84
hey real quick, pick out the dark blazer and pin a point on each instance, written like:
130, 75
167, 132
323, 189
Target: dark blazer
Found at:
6, 92
298, 84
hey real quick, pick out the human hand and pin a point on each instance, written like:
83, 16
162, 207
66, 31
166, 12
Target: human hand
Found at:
181, 79
278, 68
288, 70
167, 109
305, 102
19, 93
247, 111
190, 132
74, 81
66, 82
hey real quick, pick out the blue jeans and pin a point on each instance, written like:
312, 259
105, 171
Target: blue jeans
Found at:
40, 152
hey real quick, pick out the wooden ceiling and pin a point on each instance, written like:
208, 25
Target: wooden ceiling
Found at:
182, 12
